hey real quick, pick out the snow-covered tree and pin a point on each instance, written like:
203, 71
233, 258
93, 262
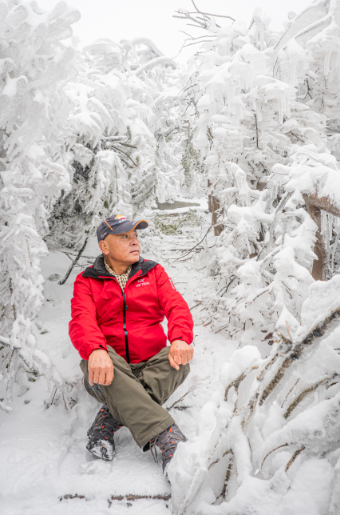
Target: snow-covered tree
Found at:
275, 186
34, 110
120, 127
253, 122
247, 122
268, 438
82, 136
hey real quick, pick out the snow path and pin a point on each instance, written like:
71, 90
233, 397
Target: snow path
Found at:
42, 451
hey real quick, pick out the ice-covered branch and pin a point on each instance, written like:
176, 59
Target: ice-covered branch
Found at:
149, 43
314, 14
164, 61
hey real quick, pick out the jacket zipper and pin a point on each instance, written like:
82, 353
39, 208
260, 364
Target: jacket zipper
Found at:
125, 308
126, 334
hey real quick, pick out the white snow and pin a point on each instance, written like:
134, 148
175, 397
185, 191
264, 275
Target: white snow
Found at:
249, 130
43, 450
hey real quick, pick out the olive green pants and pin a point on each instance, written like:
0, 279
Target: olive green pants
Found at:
137, 392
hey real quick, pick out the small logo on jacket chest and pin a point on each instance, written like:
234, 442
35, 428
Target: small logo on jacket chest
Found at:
142, 282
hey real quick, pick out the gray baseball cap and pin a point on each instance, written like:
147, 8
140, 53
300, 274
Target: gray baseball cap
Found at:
118, 224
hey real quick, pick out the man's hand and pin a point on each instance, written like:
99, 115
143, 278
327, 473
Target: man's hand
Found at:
100, 368
180, 353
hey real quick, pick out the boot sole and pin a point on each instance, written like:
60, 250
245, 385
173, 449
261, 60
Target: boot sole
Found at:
102, 450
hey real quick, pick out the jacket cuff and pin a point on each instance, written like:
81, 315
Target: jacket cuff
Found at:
181, 339
85, 354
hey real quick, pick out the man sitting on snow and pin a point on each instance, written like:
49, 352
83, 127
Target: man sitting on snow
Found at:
117, 310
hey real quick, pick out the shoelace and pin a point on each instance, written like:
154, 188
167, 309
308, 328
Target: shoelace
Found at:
153, 450
166, 443
105, 425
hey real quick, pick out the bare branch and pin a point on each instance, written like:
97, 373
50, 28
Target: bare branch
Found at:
127, 155
126, 164
193, 3
293, 458
225, 288
290, 391
273, 450
305, 392
219, 459
116, 139
179, 400
127, 145
198, 37
133, 497
197, 43
74, 262
290, 334
187, 33
195, 306
236, 383
193, 248
214, 15
296, 352
192, 388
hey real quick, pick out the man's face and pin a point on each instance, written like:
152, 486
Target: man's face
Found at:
122, 248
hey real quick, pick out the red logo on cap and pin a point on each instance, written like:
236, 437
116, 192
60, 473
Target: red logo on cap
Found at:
119, 216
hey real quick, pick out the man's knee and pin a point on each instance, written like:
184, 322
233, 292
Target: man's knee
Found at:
185, 370
162, 355
83, 365
95, 390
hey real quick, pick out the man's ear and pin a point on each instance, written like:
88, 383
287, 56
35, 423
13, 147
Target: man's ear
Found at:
103, 247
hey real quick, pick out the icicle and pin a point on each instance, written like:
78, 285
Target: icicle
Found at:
327, 60
280, 106
293, 73
330, 226
324, 223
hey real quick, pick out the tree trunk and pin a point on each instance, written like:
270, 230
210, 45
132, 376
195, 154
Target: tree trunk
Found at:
215, 208
324, 203
315, 205
209, 198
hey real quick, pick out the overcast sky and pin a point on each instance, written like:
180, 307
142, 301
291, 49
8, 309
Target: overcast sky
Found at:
127, 19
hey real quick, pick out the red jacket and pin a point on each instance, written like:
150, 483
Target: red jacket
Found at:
130, 322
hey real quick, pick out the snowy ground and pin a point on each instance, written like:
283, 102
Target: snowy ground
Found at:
42, 451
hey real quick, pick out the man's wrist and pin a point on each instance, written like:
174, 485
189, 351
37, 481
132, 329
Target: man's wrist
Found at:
97, 348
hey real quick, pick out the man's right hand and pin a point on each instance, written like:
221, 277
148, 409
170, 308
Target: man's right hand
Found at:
100, 368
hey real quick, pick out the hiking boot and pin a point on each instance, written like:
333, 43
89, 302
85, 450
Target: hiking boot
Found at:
167, 442
101, 434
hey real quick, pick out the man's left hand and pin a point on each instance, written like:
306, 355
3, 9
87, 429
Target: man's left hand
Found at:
180, 353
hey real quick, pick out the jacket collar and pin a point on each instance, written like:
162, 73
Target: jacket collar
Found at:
98, 270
